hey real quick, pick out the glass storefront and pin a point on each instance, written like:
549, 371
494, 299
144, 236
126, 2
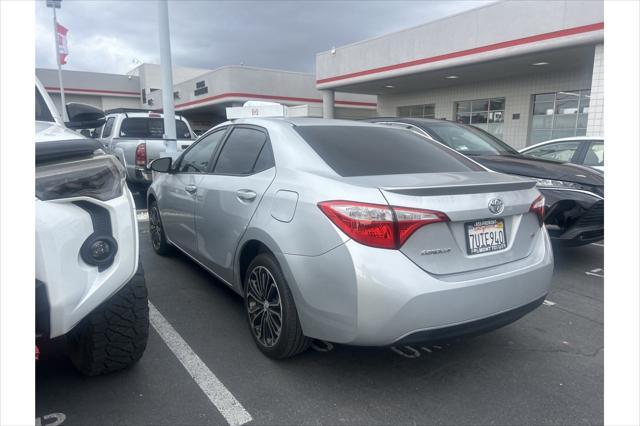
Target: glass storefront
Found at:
559, 115
487, 114
417, 111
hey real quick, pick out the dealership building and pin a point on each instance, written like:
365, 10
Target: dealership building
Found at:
526, 71
200, 95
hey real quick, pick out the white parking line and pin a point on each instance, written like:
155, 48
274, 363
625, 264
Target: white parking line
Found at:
596, 272
142, 215
218, 394
548, 303
58, 419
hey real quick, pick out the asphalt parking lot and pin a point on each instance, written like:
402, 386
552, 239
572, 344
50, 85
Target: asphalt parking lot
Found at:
546, 368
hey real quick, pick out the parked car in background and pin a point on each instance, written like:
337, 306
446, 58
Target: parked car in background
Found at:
352, 232
137, 137
583, 150
90, 286
574, 195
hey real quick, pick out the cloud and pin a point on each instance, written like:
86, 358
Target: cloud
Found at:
110, 36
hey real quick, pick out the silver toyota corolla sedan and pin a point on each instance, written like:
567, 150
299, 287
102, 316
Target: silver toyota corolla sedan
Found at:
352, 232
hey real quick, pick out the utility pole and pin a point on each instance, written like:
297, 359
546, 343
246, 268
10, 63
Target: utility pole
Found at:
55, 4
167, 77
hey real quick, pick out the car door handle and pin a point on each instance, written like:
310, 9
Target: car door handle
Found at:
191, 189
246, 195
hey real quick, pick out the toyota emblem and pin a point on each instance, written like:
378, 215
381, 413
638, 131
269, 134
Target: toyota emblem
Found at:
496, 206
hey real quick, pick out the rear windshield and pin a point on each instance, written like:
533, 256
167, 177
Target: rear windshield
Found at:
150, 128
372, 151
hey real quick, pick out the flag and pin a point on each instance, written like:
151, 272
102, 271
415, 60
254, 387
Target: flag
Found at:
61, 38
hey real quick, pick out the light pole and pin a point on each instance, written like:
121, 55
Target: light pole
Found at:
167, 76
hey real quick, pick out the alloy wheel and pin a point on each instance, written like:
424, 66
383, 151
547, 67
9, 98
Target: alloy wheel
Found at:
155, 228
264, 306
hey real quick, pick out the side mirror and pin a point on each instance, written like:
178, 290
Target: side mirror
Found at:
83, 116
86, 133
162, 165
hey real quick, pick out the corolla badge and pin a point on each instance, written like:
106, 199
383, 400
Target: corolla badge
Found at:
496, 206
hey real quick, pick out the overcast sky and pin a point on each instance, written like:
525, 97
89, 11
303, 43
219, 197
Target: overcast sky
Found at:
110, 36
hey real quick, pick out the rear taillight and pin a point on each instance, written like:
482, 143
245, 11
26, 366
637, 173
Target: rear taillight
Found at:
409, 220
537, 207
141, 155
378, 225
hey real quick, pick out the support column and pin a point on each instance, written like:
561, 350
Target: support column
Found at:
595, 121
328, 103
167, 77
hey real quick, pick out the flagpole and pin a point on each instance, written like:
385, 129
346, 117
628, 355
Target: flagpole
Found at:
63, 111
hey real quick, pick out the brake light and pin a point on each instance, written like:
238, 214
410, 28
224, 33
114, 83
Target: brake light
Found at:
537, 207
378, 225
409, 220
141, 155
154, 115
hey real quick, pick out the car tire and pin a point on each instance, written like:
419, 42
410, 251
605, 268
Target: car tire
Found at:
156, 231
113, 336
263, 325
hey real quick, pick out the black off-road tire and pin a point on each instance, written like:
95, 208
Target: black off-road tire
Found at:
113, 336
291, 340
162, 247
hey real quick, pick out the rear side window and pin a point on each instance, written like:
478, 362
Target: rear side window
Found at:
240, 153
108, 126
150, 128
265, 159
371, 151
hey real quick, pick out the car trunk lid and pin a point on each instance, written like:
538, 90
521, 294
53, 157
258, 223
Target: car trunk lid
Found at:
445, 247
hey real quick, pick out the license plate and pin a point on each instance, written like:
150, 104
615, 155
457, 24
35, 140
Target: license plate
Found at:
485, 236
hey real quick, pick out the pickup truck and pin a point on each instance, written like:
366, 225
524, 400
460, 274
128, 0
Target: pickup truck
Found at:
137, 138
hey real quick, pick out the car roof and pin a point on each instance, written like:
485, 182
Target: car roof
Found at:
408, 120
568, 139
299, 121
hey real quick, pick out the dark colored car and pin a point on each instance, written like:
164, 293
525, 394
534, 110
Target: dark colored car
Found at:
574, 208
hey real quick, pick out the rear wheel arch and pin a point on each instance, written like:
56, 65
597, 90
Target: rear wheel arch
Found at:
248, 252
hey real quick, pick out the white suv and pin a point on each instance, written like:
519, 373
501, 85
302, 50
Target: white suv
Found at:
89, 284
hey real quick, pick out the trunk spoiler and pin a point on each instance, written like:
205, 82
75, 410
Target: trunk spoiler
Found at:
462, 189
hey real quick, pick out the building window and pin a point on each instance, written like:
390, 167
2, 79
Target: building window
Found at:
487, 114
418, 111
559, 115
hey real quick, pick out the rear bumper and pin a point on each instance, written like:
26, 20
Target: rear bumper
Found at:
472, 328
573, 218
364, 296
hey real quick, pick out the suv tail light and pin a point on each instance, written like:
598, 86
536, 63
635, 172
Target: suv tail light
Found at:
141, 155
537, 207
378, 225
